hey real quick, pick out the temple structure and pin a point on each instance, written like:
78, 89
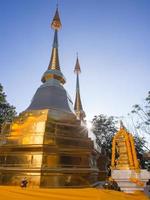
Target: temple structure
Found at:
123, 150
47, 143
78, 104
125, 167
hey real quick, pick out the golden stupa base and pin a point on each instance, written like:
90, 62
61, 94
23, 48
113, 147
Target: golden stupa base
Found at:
48, 152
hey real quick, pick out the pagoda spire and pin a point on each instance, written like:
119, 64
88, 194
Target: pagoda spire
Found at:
53, 70
78, 104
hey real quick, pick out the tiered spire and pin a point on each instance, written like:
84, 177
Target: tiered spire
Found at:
53, 70
78, 104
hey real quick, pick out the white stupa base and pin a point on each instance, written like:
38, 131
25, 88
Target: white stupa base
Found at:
123, 179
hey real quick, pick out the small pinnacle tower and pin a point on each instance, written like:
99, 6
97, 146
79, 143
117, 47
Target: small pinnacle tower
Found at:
78, 104
122, 125
46, 143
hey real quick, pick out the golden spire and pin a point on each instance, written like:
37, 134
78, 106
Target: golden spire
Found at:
78, 105
54, 67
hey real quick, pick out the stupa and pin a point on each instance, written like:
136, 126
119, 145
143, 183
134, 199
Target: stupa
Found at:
47, 143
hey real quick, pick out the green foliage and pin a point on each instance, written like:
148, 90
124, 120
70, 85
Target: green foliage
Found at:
111, 185
7, 111
104, 128
139, 145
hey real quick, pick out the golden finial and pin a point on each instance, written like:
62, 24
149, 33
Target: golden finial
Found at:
56, 23
77, 68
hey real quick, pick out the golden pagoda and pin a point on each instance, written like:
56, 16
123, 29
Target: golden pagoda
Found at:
123, 151
78, 104
47, 143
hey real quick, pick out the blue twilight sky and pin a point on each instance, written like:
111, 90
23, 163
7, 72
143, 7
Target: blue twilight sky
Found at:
112, 38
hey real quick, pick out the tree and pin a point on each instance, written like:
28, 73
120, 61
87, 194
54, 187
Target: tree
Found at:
104, 128
139, 145
141, 115
7, 111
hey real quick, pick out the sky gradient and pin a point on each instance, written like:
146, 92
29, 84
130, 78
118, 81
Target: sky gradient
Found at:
110, 36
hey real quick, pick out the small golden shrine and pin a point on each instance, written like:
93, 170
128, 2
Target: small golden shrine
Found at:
123, 150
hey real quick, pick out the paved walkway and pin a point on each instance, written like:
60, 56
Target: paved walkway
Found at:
17, 193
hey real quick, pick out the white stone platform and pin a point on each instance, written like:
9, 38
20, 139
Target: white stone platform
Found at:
130, 181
